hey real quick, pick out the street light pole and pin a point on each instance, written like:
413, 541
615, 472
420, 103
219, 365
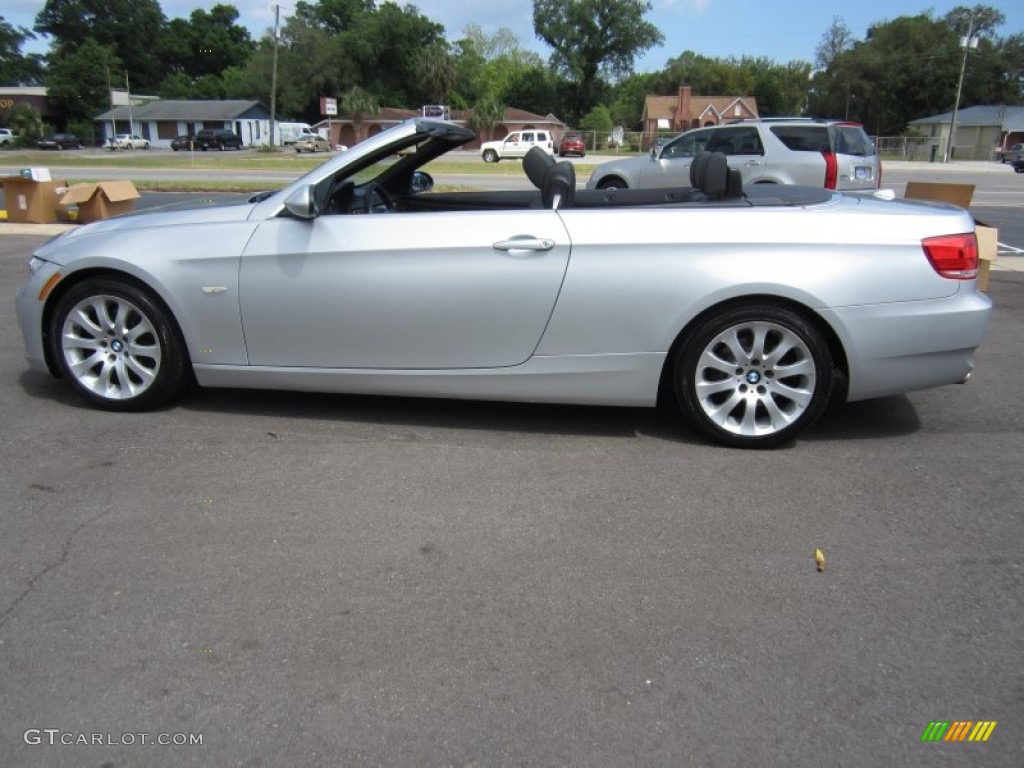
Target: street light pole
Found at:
966, 43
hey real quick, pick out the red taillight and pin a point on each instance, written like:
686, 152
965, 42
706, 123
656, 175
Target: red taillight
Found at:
953, 256
831, 170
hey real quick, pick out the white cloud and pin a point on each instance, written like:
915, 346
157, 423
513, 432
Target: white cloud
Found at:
696, 6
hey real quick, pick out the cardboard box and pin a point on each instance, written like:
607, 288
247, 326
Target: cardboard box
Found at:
957, 194
30, 201
102, 200
988, 245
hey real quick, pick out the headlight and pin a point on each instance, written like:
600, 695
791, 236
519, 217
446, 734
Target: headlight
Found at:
35, 264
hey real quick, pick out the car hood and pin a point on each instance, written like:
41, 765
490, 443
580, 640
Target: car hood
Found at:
177, 218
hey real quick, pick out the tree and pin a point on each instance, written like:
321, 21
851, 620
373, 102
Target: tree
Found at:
26, 123
435, 72
599, 120
498, 67
909, 67
16, 68
358, 102
982, 20
628, 96
78, 79
384, 45
591, 38
207, 43
837, 40
132, 29
488, 112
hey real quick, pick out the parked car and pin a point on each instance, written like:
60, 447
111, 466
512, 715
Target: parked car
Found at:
59, 141
1018, 164
129, 141
516, 145
6, 136
186, 143
572, 144
1014, 152
217, 138
820, 153
314, 143
749, 309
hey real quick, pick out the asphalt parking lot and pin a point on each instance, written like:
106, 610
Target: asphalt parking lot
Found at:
328, 580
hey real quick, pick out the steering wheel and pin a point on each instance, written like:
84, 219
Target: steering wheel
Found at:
373, 190
340, 198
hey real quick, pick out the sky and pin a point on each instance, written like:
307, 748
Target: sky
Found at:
781, 30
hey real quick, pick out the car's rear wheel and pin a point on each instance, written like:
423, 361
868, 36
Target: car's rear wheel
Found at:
117, 346
490, 156
753, 376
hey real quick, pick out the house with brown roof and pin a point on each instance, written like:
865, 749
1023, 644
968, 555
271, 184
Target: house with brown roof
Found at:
348, 130
685, 110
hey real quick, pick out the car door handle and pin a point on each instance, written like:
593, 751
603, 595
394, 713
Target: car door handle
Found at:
525, 244
753, 162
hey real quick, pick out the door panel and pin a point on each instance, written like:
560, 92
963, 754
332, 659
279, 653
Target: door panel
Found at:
401, 290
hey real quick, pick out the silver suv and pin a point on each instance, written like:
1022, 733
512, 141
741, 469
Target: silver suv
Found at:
819, 153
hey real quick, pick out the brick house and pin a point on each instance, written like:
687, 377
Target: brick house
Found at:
686, 110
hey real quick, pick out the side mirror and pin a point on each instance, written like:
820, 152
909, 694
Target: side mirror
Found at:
422, 182
301, 203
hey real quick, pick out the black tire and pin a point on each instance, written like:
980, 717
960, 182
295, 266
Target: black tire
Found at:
612, 182
136, 367
753, 376
490, 156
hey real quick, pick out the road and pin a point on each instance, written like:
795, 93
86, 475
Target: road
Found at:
325, 580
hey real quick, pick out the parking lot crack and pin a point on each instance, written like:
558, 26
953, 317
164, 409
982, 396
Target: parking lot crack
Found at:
31, 585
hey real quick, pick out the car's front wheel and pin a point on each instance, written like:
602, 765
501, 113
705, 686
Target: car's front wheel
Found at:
612, 182
117, 345
490, 156
753, 376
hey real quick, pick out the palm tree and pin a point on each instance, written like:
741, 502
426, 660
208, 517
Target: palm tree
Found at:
436, 72
488, 112
358, 102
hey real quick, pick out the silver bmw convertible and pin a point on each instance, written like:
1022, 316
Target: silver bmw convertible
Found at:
749, 309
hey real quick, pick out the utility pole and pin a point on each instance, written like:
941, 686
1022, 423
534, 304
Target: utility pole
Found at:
273, 78
128, 92
113, 120
966, 43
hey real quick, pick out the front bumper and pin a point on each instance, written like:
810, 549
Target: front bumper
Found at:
30, 310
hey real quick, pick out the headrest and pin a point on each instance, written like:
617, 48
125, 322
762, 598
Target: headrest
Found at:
716, 176
559, 190
697, 169
536, 163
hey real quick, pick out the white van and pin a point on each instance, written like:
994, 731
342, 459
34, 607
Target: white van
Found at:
292, 132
